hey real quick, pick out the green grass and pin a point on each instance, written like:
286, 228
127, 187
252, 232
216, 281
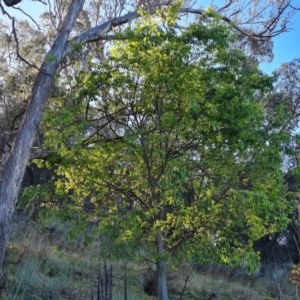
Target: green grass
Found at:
43, 264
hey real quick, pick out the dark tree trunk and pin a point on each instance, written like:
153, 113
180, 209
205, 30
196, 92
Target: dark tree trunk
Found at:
13, 166
162, 291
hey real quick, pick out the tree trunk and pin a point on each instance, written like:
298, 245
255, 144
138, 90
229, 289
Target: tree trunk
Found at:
162, 291
13, 166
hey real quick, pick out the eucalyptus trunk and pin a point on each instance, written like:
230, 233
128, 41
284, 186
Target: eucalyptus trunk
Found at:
14, 162
162, 290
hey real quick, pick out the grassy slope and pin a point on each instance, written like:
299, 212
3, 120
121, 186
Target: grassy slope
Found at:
43, 264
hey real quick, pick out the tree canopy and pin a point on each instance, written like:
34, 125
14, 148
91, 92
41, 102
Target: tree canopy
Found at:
172, 137
169, 141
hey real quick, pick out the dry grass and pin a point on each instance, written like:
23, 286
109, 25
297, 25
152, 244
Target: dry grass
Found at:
215, 282
43, 264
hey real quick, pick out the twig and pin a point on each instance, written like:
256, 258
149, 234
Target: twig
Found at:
14, 32
51, 16
4, 12
226, 6
18, 8
186, 281
17, 46
293, 7
125, 281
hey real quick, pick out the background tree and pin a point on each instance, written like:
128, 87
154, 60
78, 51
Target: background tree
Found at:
17, 77
173, 124
287, 96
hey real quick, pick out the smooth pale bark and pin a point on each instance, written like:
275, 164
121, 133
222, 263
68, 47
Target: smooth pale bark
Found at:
13, 166
162, 291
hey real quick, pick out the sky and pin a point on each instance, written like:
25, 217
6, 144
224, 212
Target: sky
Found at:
286, 45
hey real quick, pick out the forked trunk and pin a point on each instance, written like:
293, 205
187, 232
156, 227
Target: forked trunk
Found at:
162, 290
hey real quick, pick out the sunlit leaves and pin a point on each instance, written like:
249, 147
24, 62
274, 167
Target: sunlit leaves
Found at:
170, 134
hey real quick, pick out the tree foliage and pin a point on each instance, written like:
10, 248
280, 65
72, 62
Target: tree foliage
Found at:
170, 134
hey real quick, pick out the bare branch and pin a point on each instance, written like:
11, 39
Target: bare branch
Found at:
41, 1
17, 46
271, 27
4, 12
293, 7
226, 6
51, 16
98, 32
18, 8
14, 32
94, 33
251, 36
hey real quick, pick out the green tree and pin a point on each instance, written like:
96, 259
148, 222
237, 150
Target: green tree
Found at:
171, 143
261, 22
